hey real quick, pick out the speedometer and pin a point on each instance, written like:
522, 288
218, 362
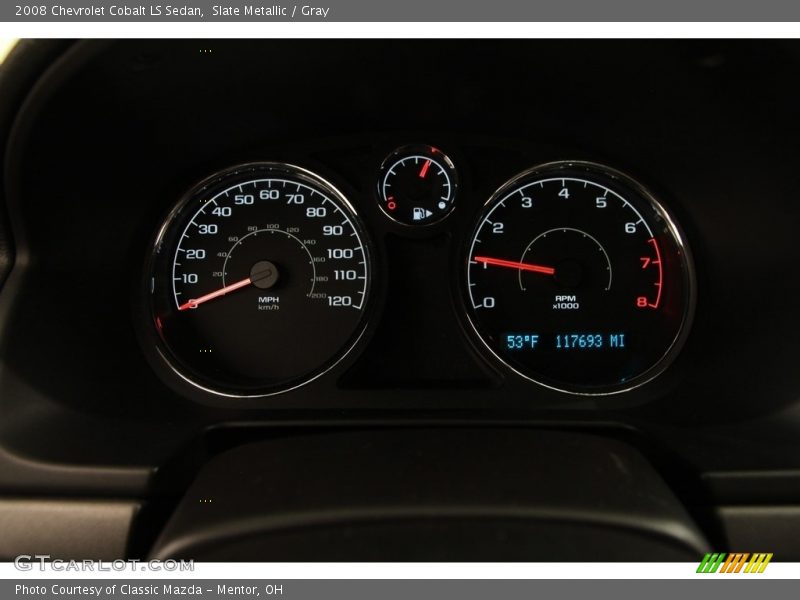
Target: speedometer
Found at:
259, 280
578, 279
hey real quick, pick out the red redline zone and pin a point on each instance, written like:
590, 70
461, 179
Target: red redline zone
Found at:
660, 282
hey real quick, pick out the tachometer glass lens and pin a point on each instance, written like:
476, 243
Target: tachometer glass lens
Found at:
259, 281
577, 279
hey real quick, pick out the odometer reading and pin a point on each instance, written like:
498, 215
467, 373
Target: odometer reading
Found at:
578, 279
565, 341
260, 280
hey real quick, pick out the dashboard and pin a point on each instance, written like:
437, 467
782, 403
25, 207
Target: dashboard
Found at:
226, 241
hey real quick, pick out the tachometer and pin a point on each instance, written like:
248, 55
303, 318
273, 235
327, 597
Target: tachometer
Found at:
578, 279
259, 281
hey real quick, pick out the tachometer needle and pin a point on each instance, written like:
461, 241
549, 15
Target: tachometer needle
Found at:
220, 292
497, 262
424, 170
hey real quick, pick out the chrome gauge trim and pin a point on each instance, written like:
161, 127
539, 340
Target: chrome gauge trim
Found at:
588, 168
405, 152
256, 169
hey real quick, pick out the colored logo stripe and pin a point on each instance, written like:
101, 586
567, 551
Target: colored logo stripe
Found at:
758, 563
710, 563
736, 562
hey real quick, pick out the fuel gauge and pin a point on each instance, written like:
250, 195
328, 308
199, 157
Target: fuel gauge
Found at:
417, 185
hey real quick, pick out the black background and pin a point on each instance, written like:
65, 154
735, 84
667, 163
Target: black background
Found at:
115, 133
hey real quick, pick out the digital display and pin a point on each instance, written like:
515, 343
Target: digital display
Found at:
566, 341
590, 341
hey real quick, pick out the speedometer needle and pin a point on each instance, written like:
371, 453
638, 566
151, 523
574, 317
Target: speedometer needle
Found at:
220, 292
498, 262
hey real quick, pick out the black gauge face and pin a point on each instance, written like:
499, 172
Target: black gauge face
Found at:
259, 281
417, 185
577, 279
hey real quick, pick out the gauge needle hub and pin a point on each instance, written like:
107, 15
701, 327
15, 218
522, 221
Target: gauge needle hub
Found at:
510, 264
194, 303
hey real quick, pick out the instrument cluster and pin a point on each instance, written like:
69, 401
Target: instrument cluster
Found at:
571, 276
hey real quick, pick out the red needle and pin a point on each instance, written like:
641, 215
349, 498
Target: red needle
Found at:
220, 292
515, 265
424, 170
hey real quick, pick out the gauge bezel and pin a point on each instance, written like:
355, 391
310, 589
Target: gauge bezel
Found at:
423, 149
586, 169
169, 363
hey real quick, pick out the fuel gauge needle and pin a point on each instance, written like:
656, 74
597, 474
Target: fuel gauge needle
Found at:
194, 303
499, 262
424, 170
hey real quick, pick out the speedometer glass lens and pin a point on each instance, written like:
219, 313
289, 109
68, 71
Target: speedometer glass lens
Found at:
259, 281
578, 279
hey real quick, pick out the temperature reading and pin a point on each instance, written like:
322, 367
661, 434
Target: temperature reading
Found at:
523, 341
